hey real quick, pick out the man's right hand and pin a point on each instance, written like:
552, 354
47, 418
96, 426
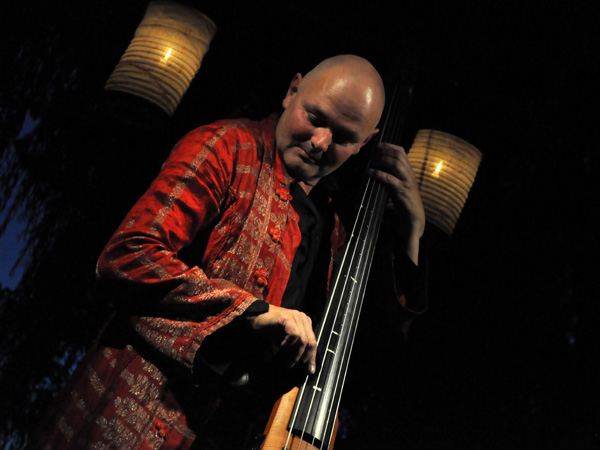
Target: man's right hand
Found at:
291, 329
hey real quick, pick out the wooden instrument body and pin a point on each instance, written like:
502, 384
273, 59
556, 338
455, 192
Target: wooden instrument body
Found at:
276, 432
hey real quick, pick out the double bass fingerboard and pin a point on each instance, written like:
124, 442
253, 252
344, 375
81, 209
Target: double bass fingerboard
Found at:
314, 415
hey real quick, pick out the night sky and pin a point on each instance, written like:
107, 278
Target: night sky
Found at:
506, 356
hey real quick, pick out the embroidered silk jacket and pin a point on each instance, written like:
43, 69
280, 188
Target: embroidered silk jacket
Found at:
222, 197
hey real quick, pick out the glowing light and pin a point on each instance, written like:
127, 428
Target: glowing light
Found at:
436, 172
168, 55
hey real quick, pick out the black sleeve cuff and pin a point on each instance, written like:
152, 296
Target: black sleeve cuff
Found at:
256, 309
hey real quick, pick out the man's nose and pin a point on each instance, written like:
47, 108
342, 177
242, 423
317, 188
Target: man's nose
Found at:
321, 139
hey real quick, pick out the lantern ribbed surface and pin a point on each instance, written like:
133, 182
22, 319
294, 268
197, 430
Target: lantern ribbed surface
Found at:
164, 55
445, 167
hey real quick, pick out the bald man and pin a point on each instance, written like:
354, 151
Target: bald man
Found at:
218, 266
329, 115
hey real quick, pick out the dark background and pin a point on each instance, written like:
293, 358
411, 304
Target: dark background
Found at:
506, 356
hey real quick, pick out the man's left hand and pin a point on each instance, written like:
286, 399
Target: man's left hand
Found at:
390, 166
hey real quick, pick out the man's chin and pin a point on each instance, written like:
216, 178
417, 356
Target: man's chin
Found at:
304, 175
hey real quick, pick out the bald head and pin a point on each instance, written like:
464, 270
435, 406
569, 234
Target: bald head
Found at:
343, 70
329, 114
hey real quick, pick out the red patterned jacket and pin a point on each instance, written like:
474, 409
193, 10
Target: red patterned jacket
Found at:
223, 193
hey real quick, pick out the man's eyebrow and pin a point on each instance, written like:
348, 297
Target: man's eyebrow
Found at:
346, 133
315, 109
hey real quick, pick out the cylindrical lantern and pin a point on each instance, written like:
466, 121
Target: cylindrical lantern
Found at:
445, 167
164, 55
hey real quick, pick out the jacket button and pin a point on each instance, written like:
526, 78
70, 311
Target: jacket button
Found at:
261, 278
275, 235
283, 194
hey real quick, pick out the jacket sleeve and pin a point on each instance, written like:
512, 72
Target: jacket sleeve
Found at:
173, 306
397, 286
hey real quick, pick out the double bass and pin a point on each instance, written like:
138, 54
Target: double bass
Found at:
306, 417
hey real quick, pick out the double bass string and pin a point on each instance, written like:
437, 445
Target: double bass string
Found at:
327, 313
343, 263
354, 305
365, 231
357, 255
364, 254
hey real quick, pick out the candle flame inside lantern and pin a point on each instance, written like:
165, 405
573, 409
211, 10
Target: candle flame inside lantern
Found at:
167, 56
437, 170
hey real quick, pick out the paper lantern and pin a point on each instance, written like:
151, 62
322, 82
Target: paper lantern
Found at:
164, 55
445, 167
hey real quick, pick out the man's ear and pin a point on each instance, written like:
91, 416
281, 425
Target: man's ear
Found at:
366, 141
292, 90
